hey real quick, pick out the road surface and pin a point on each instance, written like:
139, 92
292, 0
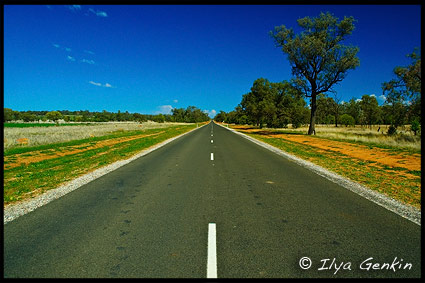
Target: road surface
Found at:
212, 204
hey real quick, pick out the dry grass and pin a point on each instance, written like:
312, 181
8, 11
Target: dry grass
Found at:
33, 136
404, 138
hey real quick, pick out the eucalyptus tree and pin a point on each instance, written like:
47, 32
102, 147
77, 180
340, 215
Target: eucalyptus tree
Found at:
404, 90
258, 104
317, 56
370, 109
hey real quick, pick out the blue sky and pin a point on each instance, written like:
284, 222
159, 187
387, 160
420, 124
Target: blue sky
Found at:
149, 59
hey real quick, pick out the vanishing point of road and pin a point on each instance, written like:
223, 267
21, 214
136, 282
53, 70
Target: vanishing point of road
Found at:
212, 204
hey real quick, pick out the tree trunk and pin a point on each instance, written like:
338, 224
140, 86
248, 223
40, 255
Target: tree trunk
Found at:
312, 128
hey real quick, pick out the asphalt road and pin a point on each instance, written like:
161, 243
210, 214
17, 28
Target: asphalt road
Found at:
152, 218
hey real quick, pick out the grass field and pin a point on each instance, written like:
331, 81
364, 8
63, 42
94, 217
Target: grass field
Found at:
29, 125
20, 135
375, 136
32, 170
379, 162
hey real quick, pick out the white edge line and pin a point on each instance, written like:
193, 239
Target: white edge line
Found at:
407, 211
212, 252
13, 211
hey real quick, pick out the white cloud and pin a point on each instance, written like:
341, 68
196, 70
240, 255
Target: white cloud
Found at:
89, 52
98, 13
382, 97
93, 83
56, 45
358, 100
99, 84
164, 109
74, 7
70, 58
175, 101
211, 113
101, 14
91, 62
373, 95
68, 49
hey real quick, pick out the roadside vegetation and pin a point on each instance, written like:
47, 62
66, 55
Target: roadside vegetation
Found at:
32, 170
319, 61
373, 136
21, 135
306, 117
191, 114
392, 168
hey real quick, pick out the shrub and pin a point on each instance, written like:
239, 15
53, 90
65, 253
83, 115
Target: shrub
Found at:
347, 120
415, 127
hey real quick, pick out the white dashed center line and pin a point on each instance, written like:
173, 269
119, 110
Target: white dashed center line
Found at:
212, 252
212, 156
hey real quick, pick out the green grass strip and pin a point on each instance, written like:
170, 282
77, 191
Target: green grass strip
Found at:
391, 181
20, 182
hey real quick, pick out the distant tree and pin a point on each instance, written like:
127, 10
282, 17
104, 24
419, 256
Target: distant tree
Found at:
220, 117
347, 120
290, 105
317, 57
8, 115
336, 108
139, 117
53, 116
126, 116
324, 109
370, 109
28, 117
118, 116
403, 94
191, 114
353, 109
178, 114
160, 118
415, 127
258, 103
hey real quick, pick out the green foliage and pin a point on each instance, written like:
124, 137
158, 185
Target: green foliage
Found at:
191, 115
326, 107
317, 57
404, 92
220, 117
415, 127
370, 109
347, 120
272, 104
53, 115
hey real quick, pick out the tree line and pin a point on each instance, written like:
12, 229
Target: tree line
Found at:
191, 114
319, 61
